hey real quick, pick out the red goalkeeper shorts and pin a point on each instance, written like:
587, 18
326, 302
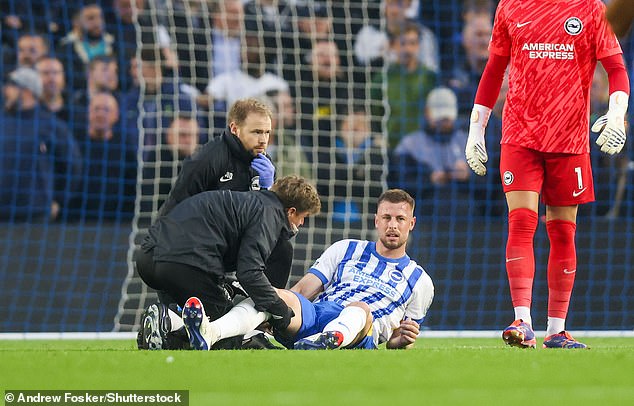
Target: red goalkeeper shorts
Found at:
562, 179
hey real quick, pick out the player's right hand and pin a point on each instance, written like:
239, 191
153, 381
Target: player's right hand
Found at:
475, 151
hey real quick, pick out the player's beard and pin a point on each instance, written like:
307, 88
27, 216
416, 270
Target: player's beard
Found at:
392, 245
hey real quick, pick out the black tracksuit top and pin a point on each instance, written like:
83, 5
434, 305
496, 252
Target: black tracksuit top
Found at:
221, 164
221, 232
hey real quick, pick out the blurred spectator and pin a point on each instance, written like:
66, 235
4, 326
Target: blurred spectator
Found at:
466, 75
620, 14
160, 172
182, 136
347, 21
108, 188
190, 27
53, 97
408, 83
324, 91
103, 114
285, 116
351, 161
434, 156
372, 46
131, 14
31, 47
273, 20
446, 22
126, 12
313, 24
159, 98
284, 142
28, 16
251, 81
78, 48
102, 77
227, 28
40, 159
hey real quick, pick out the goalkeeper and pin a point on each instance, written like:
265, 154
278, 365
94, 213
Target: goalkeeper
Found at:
553, 49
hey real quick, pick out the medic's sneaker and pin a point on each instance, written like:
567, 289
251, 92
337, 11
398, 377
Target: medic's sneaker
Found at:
562, 340
258, 341
328, 340
198, 326
519, 334
155, 325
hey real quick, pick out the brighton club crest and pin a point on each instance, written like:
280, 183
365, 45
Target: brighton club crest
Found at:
573, 26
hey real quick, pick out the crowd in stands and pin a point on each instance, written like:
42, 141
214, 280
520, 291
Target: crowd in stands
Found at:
100, 96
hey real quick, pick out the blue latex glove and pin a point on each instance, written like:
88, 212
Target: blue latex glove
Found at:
264, 167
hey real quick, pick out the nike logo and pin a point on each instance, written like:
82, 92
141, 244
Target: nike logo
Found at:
575, 193
227, 177
520, 25
567, 272
514, 259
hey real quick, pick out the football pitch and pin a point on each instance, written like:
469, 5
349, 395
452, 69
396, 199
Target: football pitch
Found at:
438, 371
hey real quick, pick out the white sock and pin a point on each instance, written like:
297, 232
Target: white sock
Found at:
241, 319
524, 313
350, 322
176, 319
555, 326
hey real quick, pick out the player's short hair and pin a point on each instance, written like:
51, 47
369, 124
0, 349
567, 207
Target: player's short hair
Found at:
295, 191
243, 107
397, 196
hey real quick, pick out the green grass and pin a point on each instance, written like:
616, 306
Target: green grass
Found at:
437, 371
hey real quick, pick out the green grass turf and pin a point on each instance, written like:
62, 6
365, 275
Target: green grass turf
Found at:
437, 371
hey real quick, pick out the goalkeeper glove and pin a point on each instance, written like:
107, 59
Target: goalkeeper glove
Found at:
264, 167
612, 124
475, 151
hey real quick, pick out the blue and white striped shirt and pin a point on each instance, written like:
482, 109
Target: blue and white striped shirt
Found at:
353, 271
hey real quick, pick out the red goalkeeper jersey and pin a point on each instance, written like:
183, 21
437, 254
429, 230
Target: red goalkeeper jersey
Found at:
553, 46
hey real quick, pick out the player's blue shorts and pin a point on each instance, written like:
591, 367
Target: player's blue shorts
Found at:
315, 316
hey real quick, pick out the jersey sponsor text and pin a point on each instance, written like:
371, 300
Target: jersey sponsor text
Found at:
541, 50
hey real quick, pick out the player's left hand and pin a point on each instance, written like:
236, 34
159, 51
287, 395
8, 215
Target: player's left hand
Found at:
612, 125
405, 335
265, 169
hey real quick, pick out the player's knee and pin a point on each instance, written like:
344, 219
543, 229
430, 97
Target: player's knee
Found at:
362, 305
561, 232
368, 313
523, 222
